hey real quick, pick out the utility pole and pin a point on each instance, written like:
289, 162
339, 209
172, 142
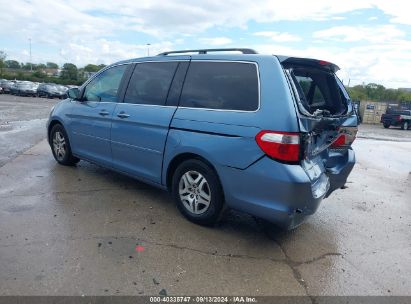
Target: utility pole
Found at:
31, 64
148, 49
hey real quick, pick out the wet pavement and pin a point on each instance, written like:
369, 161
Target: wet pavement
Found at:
86, 230
22, 123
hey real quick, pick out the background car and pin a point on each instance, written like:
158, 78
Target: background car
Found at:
26, 88
51, 90
13, 87
6, 85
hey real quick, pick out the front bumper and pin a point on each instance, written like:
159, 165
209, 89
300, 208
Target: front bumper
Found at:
280, 193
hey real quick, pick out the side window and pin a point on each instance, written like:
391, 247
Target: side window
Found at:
104, 87
150, 83
221, 85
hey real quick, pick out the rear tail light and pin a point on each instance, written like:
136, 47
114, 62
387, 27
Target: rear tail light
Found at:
282, 146
345, 138
340, 141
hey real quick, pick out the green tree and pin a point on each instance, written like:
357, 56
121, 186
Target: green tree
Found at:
28, 66
3, 57
357, 93
39, 74
69, 72
40, 66
92, 68
12, 64
52, 65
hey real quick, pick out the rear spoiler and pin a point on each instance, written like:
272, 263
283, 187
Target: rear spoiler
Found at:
285, 60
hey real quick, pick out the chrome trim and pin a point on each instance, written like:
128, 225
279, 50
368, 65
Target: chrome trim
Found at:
126, 63
146, 105
192, 60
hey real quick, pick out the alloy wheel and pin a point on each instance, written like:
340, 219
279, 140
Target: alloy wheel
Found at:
59, 145
194, 192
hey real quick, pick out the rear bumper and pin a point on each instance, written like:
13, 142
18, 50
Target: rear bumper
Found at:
391, 122
276, 192
339, 167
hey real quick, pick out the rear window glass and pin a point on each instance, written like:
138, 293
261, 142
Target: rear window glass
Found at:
319, 90
221, 85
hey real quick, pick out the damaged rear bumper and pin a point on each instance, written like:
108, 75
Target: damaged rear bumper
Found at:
279, 193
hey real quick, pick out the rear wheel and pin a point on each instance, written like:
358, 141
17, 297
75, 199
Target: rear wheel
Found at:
60, 146
197, 192
405, 125
386, 125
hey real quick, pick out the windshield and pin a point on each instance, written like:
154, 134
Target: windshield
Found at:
319, 92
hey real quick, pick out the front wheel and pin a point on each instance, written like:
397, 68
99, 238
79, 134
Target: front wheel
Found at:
405, 125
197, 192
60, 146
386, 125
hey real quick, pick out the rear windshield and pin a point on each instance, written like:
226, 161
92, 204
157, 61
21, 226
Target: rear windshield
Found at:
318, 91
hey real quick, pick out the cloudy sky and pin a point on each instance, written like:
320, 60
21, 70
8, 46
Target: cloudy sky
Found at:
369, 39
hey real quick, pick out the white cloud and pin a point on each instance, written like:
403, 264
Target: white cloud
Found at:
217, 41
278, 37
385, 63
374, 34
87, 31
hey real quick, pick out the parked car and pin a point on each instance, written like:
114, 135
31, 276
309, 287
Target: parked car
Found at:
14, 87
51, 90
26, 88
257, 133
1, 87
6, 85
401, 118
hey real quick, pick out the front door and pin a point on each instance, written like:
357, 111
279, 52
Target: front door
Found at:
92, 115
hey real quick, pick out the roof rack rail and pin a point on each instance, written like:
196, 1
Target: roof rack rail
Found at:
205, 51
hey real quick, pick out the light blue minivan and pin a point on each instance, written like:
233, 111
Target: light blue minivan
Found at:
267, 135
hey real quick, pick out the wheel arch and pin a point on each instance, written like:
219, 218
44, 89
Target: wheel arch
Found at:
51, 125
182, 157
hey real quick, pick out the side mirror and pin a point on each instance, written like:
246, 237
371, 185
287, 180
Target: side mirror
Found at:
73, 93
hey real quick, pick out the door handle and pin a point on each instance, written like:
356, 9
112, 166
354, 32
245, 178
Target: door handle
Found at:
122, 115
103, 113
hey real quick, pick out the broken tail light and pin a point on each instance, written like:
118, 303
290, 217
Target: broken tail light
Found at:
284, 146
345, 138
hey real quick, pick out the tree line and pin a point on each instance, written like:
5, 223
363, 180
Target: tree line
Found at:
68, 73
377, 92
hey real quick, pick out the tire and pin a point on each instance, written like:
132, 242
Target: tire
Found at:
201, 199
386, 125
405, 125
60, 146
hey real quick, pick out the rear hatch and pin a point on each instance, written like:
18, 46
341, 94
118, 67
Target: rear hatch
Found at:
326, 118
